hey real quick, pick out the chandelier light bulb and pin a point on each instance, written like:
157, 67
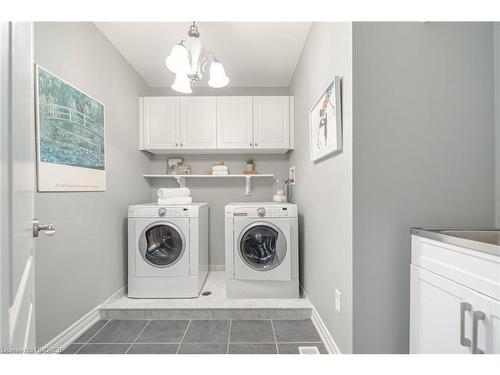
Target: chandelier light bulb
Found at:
178, 60
218, 76
182, 84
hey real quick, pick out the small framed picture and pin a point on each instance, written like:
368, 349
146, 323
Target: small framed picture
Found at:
325, 123
173, 165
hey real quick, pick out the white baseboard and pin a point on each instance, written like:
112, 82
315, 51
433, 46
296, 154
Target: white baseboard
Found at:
216, 267
330, 344
74, 331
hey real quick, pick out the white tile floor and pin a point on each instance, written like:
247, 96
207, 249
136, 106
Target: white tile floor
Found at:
215, 283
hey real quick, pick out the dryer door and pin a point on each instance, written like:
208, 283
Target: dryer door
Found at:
163, 249
263, 253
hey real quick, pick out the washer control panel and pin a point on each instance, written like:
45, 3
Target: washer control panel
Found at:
173, 212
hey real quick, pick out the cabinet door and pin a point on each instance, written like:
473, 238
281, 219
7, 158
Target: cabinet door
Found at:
436, 309
160, 125
234, 122
271, 122
488, 324
198, 122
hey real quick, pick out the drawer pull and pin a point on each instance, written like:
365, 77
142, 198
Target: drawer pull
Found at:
464, 306
476, 317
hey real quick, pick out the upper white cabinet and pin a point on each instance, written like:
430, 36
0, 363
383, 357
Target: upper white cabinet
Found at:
198, 123
160, 123
271, 122
234, 122
226, 124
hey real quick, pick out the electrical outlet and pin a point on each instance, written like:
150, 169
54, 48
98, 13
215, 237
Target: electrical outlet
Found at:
338, 301
291, 175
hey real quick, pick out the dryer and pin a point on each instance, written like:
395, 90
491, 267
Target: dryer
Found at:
261, 244
167, 250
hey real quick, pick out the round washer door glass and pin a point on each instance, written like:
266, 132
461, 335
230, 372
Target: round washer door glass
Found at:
263, 247
164, 245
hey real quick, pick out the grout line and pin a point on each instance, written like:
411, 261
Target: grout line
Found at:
229, 335
85, 343
140, 333
182, 339
274, 335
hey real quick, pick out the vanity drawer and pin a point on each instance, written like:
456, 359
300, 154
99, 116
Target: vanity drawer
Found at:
474, 269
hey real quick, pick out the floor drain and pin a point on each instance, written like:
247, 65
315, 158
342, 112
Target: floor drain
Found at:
308, 350
206, 293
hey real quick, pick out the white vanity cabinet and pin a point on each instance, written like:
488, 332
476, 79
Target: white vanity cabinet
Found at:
455, 299
223, 124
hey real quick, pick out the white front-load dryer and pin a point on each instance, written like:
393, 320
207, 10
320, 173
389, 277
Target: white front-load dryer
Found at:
168, 250
261, 250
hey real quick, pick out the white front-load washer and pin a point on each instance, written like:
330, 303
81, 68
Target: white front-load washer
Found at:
261, 250
167, 250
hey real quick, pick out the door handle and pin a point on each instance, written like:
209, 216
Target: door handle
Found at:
476, 317
464, 306
48, 228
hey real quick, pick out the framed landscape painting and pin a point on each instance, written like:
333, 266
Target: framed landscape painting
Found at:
325, 123
70, 137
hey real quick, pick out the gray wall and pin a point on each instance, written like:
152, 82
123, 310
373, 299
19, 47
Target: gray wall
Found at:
423, 156
324, 190
219, 192
85, 262
496, 51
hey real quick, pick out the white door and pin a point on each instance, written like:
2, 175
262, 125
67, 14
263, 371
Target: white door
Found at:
198, 122
271, 122
440, 314
18, 183
486, 325
160, 123
234, 122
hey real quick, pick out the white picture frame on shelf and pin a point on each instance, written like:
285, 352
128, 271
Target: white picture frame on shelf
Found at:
325, 123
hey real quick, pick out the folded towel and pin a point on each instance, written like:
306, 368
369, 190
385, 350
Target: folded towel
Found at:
175, 200
173, 192
219, 168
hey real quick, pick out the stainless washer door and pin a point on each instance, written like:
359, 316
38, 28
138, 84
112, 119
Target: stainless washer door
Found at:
262, 246
161, 244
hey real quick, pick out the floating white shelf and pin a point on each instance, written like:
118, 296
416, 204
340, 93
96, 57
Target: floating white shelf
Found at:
181, 179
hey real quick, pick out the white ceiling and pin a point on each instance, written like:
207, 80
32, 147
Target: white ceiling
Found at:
254, 54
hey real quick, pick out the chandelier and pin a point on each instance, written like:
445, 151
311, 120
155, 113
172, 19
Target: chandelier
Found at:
189, 62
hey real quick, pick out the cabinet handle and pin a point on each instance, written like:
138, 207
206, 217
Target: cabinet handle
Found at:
251, 144
181, 144
176, 144
476, 317
256, 145
464, 306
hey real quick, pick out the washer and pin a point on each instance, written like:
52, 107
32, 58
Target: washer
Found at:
261, 250
167, 250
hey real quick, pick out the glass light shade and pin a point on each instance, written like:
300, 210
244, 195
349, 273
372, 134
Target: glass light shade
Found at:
182, 84
195, 50
178, 60
218, 76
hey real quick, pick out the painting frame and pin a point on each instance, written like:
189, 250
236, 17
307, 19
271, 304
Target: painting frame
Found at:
319, 146
67, 177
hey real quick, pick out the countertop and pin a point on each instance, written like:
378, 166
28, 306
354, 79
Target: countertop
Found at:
443, 235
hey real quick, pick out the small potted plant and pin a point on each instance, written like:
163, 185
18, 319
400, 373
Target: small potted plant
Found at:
250, 165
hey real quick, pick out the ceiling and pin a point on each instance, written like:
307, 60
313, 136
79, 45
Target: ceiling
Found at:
254, 54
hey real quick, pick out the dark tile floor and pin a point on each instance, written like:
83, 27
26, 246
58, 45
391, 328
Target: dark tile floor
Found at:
197, 337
